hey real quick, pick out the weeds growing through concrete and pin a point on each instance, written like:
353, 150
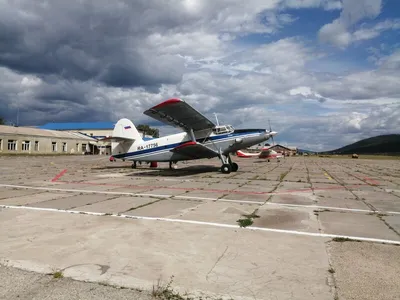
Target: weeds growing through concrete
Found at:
58, 274
248, 219
283, 175
165, 291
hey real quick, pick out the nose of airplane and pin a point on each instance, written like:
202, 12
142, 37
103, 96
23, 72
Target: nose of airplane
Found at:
273, 133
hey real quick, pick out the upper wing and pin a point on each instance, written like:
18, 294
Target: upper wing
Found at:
195, 150
178, 113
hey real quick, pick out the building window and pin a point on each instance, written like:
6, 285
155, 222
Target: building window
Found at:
54, 146
26, 145
36, 146
77, 147
64, 147
12, 145
84, 147
1, 144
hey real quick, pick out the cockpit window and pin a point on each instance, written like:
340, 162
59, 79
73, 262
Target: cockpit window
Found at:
223, 129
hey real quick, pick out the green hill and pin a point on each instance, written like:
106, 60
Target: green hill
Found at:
382, 144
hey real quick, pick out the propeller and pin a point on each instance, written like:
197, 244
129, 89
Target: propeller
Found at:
273, 133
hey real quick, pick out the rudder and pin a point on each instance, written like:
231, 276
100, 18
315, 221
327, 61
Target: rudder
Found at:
125, 129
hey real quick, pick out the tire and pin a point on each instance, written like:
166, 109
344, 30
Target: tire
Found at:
234, 167
226, 168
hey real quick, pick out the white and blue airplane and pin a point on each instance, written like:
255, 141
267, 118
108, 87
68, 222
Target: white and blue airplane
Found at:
201, 138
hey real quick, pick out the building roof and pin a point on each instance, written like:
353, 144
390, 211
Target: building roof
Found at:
29, 131
277, 145
78, 126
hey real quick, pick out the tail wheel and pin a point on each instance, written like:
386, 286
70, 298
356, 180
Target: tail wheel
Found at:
234, 167
226, 168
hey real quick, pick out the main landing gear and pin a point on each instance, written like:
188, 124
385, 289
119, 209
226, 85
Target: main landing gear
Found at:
173, 165
227, 164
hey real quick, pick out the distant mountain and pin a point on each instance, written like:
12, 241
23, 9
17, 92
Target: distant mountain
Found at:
305, 151
382, 144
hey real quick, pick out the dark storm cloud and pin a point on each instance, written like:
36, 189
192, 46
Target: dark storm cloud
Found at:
63, 90
81, 41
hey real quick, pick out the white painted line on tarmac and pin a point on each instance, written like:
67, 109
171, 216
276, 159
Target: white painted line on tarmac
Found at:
335, 208
323, 235
198, 198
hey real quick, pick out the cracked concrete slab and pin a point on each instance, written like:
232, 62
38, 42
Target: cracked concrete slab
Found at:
358, 224
237, 263
366, 271
165, 208
300, 219
195, 240
116, 205
72, 201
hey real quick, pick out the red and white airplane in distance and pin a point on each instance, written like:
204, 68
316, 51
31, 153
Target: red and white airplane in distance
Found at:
266, 153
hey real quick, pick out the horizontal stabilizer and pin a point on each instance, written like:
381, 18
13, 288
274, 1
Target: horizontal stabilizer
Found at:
117, 139
195, 150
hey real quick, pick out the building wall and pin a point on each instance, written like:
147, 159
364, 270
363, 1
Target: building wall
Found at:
95, 132
45, 145
284, 150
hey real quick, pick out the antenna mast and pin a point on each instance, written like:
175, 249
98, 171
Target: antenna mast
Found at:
216, 117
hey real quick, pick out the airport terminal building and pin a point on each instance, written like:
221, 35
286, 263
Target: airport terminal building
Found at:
58, 138
27, 140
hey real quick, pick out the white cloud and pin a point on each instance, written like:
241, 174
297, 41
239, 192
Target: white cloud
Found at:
326, 4
338, 32
187, 49
372, 32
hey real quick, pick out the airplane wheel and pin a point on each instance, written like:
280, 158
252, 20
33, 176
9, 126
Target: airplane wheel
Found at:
234, 167
226, 168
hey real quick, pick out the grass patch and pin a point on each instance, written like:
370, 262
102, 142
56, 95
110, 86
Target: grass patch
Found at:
248, 219
283, 175
245, 222
58, 274
364, 156
166, 292
342, 239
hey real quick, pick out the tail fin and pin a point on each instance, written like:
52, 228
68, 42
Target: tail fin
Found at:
124, 136
125, 129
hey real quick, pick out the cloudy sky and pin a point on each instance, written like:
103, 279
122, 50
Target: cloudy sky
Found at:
325, 72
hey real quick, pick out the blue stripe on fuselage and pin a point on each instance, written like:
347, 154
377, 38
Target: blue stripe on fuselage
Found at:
242, 132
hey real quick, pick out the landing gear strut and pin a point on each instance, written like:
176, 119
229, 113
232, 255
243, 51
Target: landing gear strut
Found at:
172, 165
134, 165
227, 164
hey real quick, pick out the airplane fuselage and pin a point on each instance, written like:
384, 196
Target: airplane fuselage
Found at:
159, 149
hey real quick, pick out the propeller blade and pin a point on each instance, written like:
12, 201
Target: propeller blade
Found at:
273, 133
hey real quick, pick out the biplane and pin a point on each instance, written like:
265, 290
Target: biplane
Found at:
265, 153
200, 139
